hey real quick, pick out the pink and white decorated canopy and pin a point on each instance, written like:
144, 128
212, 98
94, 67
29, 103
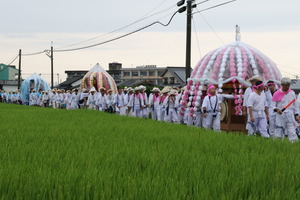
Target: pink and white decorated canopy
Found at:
97, 77
233, 63
236, 60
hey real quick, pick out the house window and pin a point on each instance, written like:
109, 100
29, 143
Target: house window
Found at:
160, 73
144, 74
126, 73
172, 79
152, 73
135, 73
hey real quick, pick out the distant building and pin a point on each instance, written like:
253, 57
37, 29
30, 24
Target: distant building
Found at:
114, 69
74, 78
296, 85
8, 77
148, 75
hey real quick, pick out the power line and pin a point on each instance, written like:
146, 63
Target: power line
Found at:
33, 54
135, 22
15, 58
214, 6
212, 28
122, 36
196, 37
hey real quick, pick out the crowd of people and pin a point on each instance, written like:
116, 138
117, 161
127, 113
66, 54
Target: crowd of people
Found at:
272, 110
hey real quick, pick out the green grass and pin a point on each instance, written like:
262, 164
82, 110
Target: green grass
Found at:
83, 154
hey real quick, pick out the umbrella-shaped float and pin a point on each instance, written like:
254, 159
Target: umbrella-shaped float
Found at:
34, 81
97, 77
229, 67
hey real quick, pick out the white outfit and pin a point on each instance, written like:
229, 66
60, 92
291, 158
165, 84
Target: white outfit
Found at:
33, 99
212, 107
155, 107
136, 103
102, 101
285, 123
120, 103
272, 114
74, 100
144, 110
163, 108
91, 102
258, 104
170, 110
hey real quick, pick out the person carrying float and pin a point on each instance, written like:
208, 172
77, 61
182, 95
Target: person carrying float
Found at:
285, 106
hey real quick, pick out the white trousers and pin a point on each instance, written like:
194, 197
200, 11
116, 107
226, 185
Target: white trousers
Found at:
212, 121
285, 124
171, 116
155, 113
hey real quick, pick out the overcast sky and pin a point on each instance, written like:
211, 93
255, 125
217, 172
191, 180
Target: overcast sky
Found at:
272, 26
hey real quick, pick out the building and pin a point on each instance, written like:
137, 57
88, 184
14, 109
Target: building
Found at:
114, 69
296, 85
74, 78
148, 75
8, 77
174, 76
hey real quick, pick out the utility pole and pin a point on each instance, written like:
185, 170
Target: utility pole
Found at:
189, 6
51, 57
19, 74
188, 39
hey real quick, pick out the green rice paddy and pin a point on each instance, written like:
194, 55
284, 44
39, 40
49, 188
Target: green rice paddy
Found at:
84, 154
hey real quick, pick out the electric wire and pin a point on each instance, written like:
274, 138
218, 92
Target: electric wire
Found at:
119, 37
13, 59
212, 28
194, 25
214, 6
121, 28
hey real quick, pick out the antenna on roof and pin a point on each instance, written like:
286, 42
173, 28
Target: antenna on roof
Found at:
238, 34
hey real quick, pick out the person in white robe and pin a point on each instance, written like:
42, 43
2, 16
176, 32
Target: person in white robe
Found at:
120, 102
144, 110
136, 103
211, 109
127, 99
170, 106
102, 100
74, 99
91, 101
286, 117
33, 98
164, 94
46, 99
154, 104
258, 111
271, 89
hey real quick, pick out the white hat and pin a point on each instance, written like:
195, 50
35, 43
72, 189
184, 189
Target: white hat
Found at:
137, 88
254, 78
102, 88
285, 80
165, 90
173, 92
129, 89
142, 87
93, 89
155, 89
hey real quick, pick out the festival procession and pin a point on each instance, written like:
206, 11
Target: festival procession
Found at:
232, 88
